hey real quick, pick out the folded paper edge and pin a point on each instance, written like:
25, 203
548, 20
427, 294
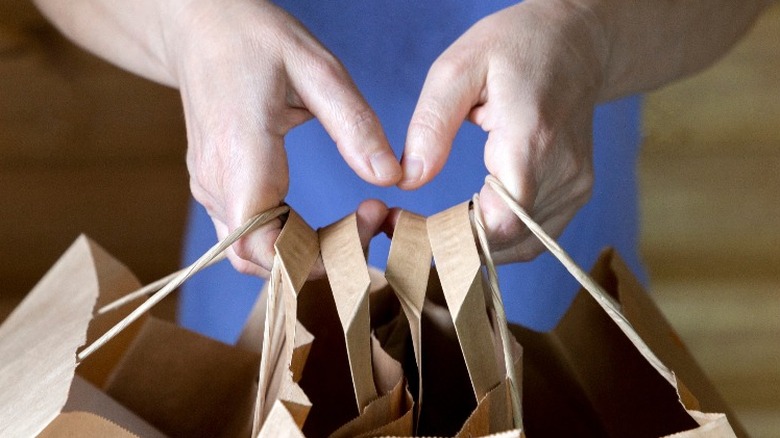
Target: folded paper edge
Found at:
28, 411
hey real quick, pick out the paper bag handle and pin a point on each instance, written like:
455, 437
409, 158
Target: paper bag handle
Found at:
460, 272
407, 272
180, 277
347, 272
609, 304
499, 313
408, 269
297, 251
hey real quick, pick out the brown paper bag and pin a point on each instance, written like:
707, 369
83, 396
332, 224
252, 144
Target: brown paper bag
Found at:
39, 340
349, 385
587, 371
360, 323
462, 385
613, 366
362, 338
406, 314
200, 387
155, 379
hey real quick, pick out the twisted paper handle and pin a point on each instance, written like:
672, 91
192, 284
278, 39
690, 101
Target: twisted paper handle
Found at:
498, 307
604, 300
180, 277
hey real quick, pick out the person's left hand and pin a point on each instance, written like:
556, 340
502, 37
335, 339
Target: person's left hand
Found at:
529, 75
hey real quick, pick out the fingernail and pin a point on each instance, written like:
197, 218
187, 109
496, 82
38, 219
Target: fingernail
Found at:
413, 170
385, 166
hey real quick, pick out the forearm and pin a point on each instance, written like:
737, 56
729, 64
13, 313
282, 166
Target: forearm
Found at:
129, 34
648, 43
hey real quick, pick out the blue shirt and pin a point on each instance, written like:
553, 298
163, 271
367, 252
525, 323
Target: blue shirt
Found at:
388, 46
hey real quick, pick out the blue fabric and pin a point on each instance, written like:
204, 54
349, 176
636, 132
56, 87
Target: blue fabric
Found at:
388, 47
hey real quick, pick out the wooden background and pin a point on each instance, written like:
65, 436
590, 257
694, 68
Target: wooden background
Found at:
87, 148
710, 178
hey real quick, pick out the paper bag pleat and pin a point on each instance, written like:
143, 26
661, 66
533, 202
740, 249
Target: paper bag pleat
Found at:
326, 379
448, 398
283, 385
297, 248
280, 423
381, 413
39, 340
494, 412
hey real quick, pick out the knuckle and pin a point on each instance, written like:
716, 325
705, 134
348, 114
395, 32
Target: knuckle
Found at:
361, 122
576, 172
583, 188
427, 120
449, 68
528, 250
571, 169
199, 187
244, 266
243, 250
255, 250
326, 66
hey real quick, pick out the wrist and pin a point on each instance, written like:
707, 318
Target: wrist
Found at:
593, 20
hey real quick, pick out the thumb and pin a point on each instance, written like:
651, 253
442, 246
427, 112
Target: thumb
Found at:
452, 88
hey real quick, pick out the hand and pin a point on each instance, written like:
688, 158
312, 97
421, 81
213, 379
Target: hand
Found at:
248, 73
528, 75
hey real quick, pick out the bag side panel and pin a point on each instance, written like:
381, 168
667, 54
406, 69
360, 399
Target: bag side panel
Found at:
630, 397
84, 397
183, 383
39, 340
660, 336
85, 424
554, 403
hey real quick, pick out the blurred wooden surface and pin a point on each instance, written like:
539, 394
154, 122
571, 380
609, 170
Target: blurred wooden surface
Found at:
87, 148
84, 148
710, 179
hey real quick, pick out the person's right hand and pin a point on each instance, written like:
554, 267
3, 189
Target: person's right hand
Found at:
248, 72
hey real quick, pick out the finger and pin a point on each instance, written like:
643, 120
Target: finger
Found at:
328, 92
502, 227
242, 265
516, 242
510, 158
388, 227
529, 247
236, 157
255, 180
371, 217
452, 87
